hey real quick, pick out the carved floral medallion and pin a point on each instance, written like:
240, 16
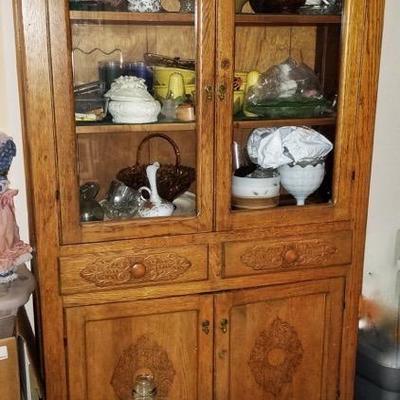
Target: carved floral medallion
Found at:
107, 271
144, 355
276, 356
310, 252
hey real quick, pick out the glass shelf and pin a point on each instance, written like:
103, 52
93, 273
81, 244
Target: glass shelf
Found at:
286, 19
99, 128
250, 123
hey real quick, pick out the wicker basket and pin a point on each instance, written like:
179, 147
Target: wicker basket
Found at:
172, 180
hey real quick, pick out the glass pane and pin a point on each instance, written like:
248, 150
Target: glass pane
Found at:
286, 82
134, 66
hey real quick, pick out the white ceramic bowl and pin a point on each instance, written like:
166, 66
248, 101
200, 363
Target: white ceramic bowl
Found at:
300, 181
255, 193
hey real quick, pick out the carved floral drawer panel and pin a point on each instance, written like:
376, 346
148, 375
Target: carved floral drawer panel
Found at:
104, 271
264, 256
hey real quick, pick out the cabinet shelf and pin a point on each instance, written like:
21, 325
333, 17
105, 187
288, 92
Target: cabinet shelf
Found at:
99, 128
287, 19
111, 17
260, 123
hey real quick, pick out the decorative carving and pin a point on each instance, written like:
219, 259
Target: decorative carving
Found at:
275, 357
144, 355
310, 252
107, 271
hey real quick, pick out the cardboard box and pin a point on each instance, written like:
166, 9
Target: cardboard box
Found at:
9, 370
31, 386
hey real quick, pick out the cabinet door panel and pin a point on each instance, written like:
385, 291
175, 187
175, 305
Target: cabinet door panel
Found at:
110, 345
251, 43
105, 45
279, 343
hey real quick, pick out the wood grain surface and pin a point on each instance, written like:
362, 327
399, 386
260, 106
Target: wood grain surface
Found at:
280, 343
107, 290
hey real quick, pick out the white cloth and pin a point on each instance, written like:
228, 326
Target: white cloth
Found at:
274, 147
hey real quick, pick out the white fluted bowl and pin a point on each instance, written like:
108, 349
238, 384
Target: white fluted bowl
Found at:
300, 181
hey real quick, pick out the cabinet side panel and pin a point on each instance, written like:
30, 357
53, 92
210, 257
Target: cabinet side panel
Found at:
36, 98
368, 82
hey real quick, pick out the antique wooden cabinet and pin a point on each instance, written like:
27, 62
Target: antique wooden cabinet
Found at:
218, 300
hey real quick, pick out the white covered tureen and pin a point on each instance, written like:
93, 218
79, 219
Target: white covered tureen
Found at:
131, 103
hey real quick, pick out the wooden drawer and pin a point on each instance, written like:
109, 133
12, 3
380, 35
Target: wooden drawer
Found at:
264, 256
103, 271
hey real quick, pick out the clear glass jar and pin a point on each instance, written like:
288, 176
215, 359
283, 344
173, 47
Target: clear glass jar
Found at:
145, 388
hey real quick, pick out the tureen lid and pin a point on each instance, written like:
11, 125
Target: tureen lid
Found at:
129, 88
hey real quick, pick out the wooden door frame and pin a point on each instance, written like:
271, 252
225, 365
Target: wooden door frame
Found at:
36, 96
370, 54
340, 209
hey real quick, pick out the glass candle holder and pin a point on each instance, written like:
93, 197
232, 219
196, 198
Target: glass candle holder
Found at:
109, 71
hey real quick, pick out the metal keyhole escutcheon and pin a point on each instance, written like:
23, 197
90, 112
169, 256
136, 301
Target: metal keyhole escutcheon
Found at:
224, 325
222, 92
205, 327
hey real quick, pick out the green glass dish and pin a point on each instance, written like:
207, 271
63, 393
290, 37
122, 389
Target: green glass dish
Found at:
296, 107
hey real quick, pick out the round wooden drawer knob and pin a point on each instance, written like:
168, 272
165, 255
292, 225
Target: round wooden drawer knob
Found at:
291, 256
138, 271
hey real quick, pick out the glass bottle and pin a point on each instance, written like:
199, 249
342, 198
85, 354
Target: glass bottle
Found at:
145, 388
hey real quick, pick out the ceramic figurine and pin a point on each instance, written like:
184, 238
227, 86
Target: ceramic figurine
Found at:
155, 206
13, 251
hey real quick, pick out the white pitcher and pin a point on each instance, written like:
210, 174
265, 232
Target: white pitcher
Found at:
155, 206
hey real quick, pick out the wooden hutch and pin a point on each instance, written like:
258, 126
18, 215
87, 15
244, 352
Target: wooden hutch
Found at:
219, 303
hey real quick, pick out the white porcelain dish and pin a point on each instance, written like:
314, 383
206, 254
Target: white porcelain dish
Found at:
185, 205
255, 193
300, 181
131, 103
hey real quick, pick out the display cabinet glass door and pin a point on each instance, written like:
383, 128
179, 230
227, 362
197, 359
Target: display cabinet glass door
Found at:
138, 80
283, 115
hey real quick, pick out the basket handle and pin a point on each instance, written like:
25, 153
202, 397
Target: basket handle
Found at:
161, 136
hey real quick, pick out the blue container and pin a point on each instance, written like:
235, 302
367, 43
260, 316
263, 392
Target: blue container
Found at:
140, 70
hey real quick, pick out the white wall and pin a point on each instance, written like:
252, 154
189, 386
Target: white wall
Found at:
10, 121
384, 210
